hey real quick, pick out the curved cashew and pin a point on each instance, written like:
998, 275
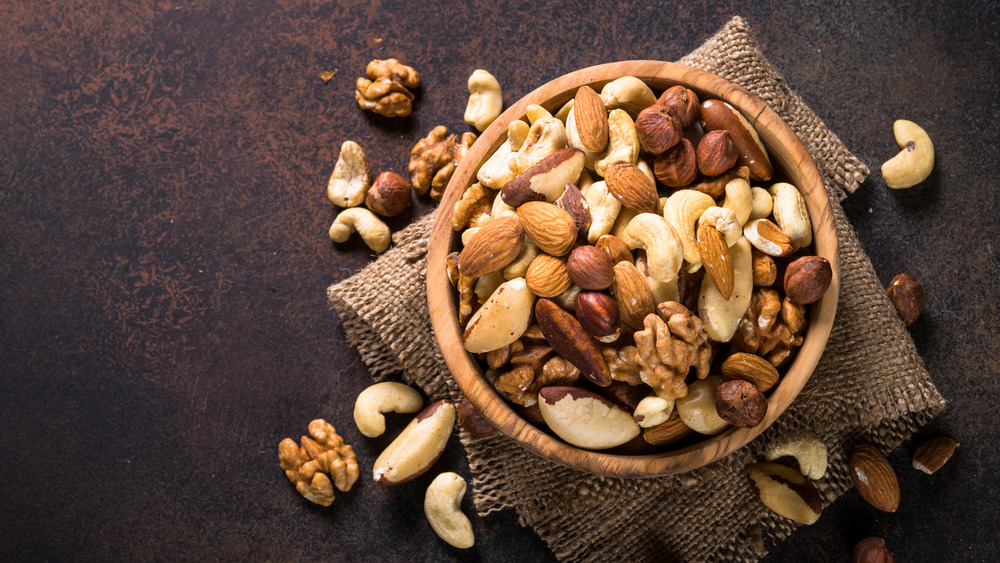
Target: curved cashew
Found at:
546, 136
723, 220
350, 180
387, 396
623, 141
761, 204
739, 198
628, 93
682, 211
534, 112
791, 214
563, 113
661, 291
501, 209
502, 319
517, 133
373, 231
625, 217
810, 452
664, 249
604, 209
442, 506
574, 140
914, 163
467, 234
519, 267
721, 316
652, 410
485, 100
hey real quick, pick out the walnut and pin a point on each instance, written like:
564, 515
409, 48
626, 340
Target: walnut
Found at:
432, 161
443, 176
474, 209
556, 371
765, 271
466, 297
321, 457
771, 328
623, 363
668, 349
386, 90
452, 264
528, 363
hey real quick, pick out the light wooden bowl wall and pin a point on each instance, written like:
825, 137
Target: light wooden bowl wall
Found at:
791, 162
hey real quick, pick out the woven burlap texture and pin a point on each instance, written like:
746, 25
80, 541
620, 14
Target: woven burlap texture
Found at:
870, 386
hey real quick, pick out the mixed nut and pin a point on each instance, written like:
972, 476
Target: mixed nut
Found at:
618, 248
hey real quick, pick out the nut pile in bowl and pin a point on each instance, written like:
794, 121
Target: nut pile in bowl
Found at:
631, 274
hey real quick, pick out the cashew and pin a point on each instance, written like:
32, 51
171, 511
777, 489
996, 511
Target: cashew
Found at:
502, 319
664, 249
583, 184
697, 408
519, 267
387, 396
762, 204
467, 234
546, 136
791, 214
485, 100
501, 209
574, 140
486, 285
652, 410
563, 113
810, 452
517, 132
682, 211
625, 217
442, 506
914, 163
723, 220
739, 198
350, 180
623, 141
534, 112
373, 231
644, 166
604, 209
722, 316
628, 93
496, 172
662, 291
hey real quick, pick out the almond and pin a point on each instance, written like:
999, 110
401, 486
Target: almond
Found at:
568, 338
552, 229
635, 301
874, 478
491, 248
631, 187
545, 180
591, 119
585, 419
752, 368
547, 276
668, 432
932, 455
615, 247
716, 258
590, 268
786, 492
767, 237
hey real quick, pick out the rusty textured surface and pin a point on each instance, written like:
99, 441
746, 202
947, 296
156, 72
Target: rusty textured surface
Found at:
163, 254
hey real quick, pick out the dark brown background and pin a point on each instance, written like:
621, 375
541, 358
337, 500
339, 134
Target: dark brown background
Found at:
163, 254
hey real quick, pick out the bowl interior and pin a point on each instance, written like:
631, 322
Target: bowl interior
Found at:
791, 163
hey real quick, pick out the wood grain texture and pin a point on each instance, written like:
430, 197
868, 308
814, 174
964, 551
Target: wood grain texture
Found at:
792, 162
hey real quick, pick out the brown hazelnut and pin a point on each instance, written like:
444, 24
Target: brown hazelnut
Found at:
683, 103
716, 153
590, 267
598, 313
678, 166
473, 422
389, 195
872, 550
740, 403
807, 279
658, 129
625, 395
907, 295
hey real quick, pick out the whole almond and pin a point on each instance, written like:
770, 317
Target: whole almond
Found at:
668, 432
547, 276
933, 454
616, 248
591, 119
631, 187
597, 313
752, 368
677, 167
767, 237
552, 229
590, 267
491, 248
473, 422
564, 333
635, 301
716, 258
874, 478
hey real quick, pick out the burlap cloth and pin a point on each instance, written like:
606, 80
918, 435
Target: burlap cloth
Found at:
870, 385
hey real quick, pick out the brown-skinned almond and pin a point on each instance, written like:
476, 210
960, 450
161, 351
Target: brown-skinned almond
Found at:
631, 187
547, 276
768, 238
590, 268
752, 368
615, 247
491, 248
635, 300
668, 432
716, 258
874, 478
552, 229
568, 338
591, 119
933, 454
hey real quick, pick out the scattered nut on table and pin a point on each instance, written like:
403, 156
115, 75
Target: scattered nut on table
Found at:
872, 550
907, 297
417, 447
786, 492
386, 91
387, 396
443, 508
373, 231
874, 477
321, 458
933, 454
350, 179
914, 162
485, 100
389, 195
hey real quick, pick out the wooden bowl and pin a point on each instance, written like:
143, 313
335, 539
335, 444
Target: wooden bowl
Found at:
791, 162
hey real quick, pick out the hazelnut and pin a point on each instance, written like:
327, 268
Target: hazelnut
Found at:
473, 422
598, 313
716, 153
807, 279
872, 550
389, 195
740, 403
625, 395
683, 103
658, 129
590, 267
907, 296
678, 166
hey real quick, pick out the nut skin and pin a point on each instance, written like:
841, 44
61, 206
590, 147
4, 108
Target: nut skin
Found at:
874, 478
933, 454
872, 550
597, 313
907, 296
473, 422
682, 102
658, 129
740, 403
716, 115
807, 279
678, 166
669, 432
716, 153
616, 248
590, 268
591, 119
389, 195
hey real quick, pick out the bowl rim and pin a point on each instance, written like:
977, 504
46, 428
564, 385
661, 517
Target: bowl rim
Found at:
787, 153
